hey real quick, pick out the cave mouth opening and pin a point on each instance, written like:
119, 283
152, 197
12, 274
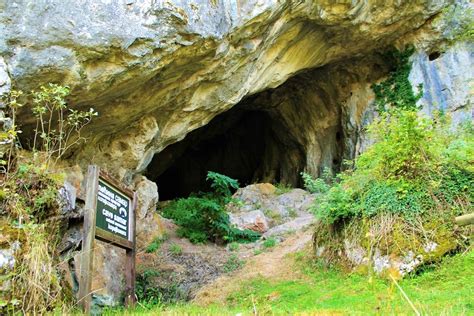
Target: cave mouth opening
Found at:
244, 143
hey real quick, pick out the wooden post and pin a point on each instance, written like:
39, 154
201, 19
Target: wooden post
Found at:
88, 238
130, 298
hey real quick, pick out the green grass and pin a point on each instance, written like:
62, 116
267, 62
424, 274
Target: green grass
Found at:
282, 188
156, 244
269, 243
175, 249
446, 289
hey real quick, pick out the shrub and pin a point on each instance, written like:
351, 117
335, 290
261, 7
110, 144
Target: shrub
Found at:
416, 166
319, 185
203, 217
57, 127
222, 184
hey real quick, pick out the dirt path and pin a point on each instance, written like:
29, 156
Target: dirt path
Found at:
274, 263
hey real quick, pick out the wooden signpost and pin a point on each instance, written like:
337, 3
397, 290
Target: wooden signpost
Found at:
109, 216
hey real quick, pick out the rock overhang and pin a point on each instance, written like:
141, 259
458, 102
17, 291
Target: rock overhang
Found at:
155, 71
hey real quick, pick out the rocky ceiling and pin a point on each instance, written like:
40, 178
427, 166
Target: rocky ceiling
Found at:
158, 70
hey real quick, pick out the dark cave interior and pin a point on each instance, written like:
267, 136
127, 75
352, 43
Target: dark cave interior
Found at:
243, 143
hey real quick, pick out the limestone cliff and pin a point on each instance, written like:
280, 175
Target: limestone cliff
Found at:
256, 89
156, 70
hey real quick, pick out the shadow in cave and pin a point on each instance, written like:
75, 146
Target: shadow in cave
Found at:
245, 144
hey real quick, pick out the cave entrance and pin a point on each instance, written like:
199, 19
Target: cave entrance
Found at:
246, 144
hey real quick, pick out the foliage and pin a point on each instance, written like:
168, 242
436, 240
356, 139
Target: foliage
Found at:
282, 188
404, 190
222, 184
269, 243
396, 91
146, 293
416, 166
175, 249
31, 203
30, 206
55, 123
233, 263
319, 185
10, 136
156, 244
203, 217
151, 294
58, 127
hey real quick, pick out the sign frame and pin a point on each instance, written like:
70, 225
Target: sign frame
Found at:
92, 232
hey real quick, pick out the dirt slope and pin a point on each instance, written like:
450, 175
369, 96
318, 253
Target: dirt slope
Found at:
275, 263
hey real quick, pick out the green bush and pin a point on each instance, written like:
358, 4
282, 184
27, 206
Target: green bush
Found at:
222, 184
416, 165
203, 217
319, 185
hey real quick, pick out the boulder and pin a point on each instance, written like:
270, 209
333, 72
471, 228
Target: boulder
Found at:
260, 208
253, 220
148, 222
297, 224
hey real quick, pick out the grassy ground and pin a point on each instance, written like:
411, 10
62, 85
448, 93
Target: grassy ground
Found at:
446, 289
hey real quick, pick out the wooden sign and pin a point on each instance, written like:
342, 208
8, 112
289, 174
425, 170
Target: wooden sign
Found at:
113, 215
109, 216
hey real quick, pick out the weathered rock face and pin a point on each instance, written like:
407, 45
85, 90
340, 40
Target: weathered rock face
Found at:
446, 78
263, 208
157, 70
447, 81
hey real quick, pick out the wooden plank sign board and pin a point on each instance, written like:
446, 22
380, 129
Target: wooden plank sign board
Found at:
114, 215
109, 216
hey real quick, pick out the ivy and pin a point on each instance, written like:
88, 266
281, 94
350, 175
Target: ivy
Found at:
396, 91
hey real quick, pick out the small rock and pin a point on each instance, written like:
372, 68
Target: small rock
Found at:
7, 259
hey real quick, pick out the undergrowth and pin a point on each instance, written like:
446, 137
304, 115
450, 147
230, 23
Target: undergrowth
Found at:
31, 203
203, 217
